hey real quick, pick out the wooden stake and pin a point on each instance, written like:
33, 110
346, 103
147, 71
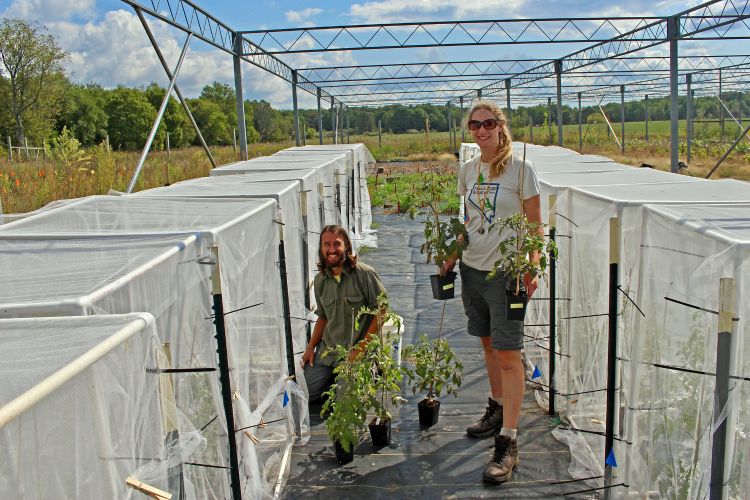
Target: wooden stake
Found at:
148, 490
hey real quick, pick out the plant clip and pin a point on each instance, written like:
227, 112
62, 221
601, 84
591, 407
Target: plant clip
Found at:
252, 438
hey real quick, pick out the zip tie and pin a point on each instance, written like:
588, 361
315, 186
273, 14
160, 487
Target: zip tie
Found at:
695, 307
213, 316
631, 300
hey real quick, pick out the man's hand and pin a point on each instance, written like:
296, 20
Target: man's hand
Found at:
530, 283
308, 357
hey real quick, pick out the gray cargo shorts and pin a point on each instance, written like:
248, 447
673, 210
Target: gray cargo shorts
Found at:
484, 305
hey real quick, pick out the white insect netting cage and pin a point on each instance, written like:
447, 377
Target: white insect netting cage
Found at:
261, 248
82, 409
245, 236
361, 158
328, 188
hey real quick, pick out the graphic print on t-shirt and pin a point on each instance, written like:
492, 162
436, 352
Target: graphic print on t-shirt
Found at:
484, 198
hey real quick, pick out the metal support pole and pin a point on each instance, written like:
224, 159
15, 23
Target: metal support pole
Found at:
285, 306
334, 122
549, 118
647, 114
507, 100
448, 120
176, 89
320, 117
531, 129
303, 200
552, 307
558, 75
463, 132
673, 31
380, 135
159, 116
622, 118
721, 109
241, 126
234, 140
614, 281
479, 94
580, 125
10, 150
348, 128
720, 436
226, 386
689, 116
297, 141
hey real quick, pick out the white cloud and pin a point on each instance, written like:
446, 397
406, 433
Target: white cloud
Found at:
50, 10
389, 11
301, 16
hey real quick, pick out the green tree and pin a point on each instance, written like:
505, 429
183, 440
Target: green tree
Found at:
212, 121
131, 117
83, 113
33, 63
175, 120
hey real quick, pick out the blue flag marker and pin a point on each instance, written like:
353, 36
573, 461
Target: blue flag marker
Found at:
537, 373
611, 459
286, 399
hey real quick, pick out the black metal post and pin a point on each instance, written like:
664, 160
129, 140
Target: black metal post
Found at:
614, 263
226, 386
286, 311
552, 319
306, 259
352, 209
721, 390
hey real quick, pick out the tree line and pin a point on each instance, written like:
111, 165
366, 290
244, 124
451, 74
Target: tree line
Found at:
38, 101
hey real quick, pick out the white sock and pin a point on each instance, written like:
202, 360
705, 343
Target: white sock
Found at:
498, 401
511, 433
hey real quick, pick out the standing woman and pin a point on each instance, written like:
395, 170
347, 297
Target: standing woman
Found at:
491, 185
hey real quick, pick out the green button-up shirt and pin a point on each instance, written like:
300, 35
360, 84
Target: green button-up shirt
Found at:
339, 301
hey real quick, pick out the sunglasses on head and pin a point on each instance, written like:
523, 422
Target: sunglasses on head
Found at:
488, 124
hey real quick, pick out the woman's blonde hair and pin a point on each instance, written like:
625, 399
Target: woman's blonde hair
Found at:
504, 149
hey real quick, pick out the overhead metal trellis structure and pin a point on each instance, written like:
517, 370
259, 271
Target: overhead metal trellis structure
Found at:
605, 58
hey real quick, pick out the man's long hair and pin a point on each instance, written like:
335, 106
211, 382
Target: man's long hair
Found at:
350, 262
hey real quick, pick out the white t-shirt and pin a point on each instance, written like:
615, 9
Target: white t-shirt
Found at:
488, 198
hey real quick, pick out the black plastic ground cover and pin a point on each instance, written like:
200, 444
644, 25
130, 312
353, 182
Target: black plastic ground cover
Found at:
439, 462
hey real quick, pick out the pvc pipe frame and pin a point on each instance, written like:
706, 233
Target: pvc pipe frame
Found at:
159, 116
43, 389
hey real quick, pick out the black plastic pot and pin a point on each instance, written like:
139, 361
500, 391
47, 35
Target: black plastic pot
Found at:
443, 287
516, 305
380, 432
429, 411
343, 457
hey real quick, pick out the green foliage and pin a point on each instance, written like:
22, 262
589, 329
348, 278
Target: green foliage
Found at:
525, 239
367, 380
83, 113
131, 117
443, 239
32, 62
436, 369
212, 121
346, 399
385, 375
65, 148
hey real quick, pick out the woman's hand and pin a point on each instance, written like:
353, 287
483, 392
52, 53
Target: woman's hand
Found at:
530, 283
448, 266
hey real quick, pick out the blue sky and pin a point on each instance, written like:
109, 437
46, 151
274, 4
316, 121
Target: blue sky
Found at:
107, 44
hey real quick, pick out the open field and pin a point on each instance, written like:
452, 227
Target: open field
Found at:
28, 185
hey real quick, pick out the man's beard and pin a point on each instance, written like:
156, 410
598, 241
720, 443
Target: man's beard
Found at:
339, 261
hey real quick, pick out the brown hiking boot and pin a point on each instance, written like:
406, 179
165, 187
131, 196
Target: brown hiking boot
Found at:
504, 459
490, 423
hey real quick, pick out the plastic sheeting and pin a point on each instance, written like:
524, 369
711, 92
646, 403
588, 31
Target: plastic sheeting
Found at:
81, 409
